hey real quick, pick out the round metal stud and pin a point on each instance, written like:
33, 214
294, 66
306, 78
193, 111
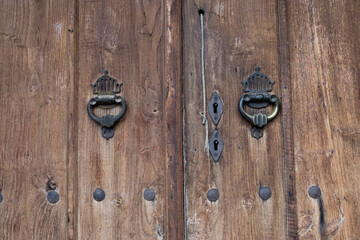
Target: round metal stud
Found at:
53, 196
149, 194
1, 197
99, 194
213, 195
314, 192
265, 193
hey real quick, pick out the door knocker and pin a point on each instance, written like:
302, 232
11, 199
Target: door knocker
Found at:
106, 87
257, 86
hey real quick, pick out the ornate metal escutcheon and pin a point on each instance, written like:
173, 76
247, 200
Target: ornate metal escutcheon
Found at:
106, 87
257, 86
216, 145
215, 108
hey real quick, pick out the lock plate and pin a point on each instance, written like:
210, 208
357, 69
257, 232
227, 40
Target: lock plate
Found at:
215, 108
216, 145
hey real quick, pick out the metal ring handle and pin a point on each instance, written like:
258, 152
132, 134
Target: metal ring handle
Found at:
259, 119
108, 121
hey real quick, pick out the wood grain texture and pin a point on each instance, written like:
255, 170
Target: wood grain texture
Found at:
239, 35
52, 50
324, 57
287, 127
173, 120
35, 118
139, 43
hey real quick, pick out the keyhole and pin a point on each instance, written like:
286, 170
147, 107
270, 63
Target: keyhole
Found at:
216, 143
215, 106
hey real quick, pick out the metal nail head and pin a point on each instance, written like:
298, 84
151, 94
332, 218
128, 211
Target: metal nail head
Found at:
99, 194
213, 195
149, 194
314, 192
265, 193
53, 196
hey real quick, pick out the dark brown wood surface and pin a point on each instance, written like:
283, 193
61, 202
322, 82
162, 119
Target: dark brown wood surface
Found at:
288, 160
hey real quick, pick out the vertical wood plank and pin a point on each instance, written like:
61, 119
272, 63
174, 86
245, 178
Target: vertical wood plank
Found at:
173, 127
287, 127
72, 133
239, 35
139, 43
36, 99
324, 56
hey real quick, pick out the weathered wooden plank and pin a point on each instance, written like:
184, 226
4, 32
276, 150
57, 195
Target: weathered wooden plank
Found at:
139, 43
324, 56
36, 99
239, 35
72, 134
172, 122
287, 127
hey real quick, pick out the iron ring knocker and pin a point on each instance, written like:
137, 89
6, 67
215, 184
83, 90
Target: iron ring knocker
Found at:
106, 87
108, 121
258, 85
259, 120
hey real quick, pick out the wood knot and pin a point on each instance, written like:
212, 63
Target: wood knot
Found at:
247, 202
50, 184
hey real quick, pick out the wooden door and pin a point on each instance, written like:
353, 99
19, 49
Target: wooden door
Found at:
51, 52
311, 50
53, 156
